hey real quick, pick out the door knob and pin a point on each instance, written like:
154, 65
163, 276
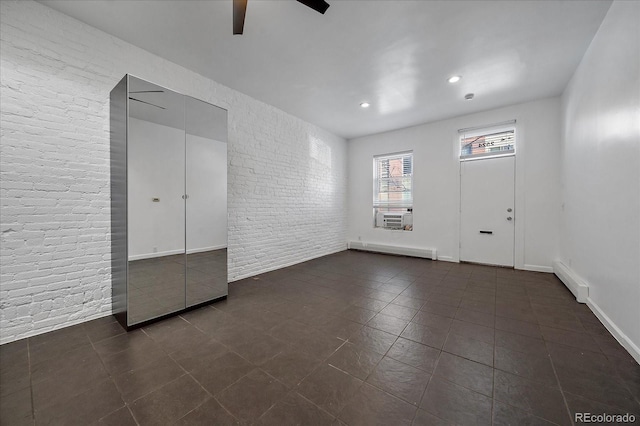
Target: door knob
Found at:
509, 210
509, 218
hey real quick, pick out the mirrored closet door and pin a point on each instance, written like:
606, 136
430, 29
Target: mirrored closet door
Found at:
206, 201
169, 201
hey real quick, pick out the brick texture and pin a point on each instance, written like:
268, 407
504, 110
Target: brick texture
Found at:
287, 178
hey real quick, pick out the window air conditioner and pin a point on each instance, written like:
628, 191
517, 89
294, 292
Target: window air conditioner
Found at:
394, 220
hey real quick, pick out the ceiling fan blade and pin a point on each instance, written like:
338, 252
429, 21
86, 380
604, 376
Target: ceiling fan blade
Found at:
317, 5
239, 10
145, 102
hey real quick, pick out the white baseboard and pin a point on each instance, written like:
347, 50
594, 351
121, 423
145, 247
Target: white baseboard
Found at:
203, 249
154, 255
447, 259
174, 252
389, 249
622, 338
56, 327
580, 289
537, 268
572, 281
284, 265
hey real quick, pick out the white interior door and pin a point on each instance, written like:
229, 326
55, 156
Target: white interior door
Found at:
487, 212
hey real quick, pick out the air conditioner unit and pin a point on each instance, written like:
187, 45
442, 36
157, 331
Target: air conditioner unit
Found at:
394, 220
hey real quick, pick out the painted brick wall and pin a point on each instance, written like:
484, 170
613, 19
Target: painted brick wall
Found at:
287, 178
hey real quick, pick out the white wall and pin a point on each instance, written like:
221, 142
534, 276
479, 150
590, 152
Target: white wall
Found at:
207, 190
437, 182
287, 178
600, 222
155, 166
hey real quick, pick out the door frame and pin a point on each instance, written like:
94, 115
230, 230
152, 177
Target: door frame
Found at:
513, 241
519, 194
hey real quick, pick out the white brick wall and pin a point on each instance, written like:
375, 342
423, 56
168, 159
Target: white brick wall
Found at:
287, 178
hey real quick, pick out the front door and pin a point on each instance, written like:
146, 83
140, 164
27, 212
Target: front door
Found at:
487, 213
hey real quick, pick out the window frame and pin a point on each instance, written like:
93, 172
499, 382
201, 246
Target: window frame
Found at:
402, 206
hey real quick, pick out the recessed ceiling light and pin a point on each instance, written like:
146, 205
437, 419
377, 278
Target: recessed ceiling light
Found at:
454, 79
365, 104
469, 96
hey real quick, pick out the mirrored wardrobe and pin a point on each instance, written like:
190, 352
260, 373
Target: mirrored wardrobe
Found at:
168, 201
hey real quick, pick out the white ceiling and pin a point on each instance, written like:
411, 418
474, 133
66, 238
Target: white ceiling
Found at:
394, 54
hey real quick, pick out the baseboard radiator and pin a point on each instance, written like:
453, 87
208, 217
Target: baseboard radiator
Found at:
573, 282
399, 250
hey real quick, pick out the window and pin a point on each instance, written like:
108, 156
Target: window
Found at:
393, 191
487, 143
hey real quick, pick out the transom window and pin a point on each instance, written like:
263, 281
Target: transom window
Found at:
492, 142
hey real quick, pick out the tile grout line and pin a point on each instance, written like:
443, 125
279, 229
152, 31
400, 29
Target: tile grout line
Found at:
373, 369
383, 356
493, 387
33, 406
555, 373
187, 373
110, 376
424, 392
255, 367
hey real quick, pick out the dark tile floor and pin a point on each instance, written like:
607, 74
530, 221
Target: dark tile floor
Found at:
353, 338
